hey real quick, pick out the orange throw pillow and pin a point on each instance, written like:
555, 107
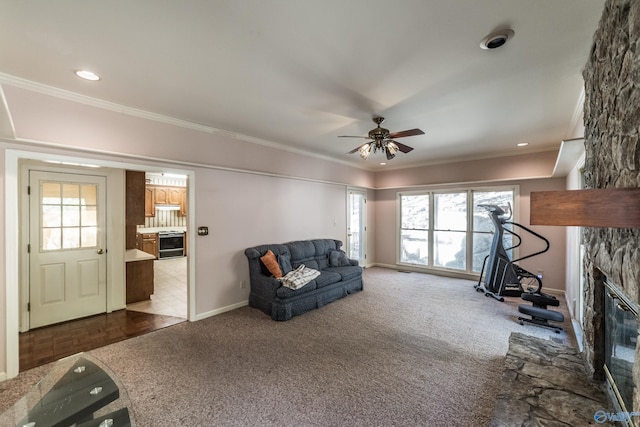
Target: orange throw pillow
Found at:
269, 260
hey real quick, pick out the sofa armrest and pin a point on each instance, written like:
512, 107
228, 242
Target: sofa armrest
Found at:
264, 286
354, 262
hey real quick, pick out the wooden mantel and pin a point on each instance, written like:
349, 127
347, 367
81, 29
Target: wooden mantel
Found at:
610, 207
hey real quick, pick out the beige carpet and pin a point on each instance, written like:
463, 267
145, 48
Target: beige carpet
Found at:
410, 350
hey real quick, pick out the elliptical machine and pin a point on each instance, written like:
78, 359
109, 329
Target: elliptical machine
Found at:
505, 278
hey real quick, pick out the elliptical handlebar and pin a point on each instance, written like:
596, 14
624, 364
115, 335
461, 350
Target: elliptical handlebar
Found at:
498, 212
539, 236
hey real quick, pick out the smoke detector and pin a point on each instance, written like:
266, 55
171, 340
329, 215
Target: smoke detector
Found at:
496, 39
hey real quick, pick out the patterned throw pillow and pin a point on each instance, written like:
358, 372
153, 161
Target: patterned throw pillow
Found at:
284, 260
338, 259
269, 260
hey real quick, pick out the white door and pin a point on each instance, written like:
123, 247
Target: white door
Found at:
356, 226
67, 255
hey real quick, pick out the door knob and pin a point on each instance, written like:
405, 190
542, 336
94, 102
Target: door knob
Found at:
100, 251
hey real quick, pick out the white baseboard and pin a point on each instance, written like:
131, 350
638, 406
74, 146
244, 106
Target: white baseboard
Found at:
217, 311
435, 272
3, 376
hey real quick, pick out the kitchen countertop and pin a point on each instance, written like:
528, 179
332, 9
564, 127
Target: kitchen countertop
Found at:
158, 229
132, 255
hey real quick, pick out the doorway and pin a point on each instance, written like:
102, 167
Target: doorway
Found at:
163, 235
357, 225
17, 299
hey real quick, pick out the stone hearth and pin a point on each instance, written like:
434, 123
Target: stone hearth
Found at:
547, 384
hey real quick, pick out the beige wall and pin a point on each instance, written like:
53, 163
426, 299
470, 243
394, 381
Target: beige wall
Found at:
551, 262
526, 166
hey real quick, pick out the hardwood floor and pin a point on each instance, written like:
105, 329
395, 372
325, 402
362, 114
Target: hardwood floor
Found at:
167, 306
44, 345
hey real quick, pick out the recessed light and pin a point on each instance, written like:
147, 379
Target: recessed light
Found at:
383, 163
87, 75
496, 39
523, 144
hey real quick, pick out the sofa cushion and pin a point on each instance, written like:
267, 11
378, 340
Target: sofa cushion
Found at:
346, 272
323, 248
284, 260
301, 250
327, 278
284, 292
271, 263
338, 259
299, 277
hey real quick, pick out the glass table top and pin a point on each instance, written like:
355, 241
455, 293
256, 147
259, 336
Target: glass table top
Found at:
78, 391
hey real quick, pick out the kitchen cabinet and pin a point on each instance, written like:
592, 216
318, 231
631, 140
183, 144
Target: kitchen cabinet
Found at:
134, 205
168, 195
139, 272
149, 201
165, 195
148, 242
183, 203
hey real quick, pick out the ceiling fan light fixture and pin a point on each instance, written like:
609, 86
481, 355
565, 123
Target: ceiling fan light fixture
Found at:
383, 140
365, 150
497, 39
391, 149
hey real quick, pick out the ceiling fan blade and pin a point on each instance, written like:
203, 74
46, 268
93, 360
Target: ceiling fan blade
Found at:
357, 148
352, 136
403, 133
402, 147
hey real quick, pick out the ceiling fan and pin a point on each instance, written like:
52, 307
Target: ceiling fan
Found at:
382, 139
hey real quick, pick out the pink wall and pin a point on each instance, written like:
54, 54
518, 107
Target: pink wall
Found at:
46, 118
272, 196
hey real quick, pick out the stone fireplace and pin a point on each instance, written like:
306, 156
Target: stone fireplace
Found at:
612, 131
620, 342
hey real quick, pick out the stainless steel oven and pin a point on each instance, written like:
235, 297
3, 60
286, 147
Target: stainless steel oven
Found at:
171, 244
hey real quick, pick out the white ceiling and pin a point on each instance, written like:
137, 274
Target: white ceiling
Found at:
300, 72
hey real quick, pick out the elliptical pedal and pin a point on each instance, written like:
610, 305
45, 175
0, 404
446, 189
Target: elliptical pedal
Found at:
538, 312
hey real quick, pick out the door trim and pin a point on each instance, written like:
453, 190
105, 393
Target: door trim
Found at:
363, 242
13, 158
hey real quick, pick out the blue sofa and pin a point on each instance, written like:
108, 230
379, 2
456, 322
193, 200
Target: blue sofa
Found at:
339, 276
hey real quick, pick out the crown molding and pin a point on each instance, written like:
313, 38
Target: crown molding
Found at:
143, 114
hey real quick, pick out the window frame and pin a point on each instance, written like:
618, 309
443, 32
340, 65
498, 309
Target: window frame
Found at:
431, 191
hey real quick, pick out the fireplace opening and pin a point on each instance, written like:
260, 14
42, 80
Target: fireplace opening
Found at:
621, 334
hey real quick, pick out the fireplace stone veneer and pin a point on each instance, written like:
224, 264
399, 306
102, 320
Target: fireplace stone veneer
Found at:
612, 145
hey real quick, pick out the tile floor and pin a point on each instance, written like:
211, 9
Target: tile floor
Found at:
170, 289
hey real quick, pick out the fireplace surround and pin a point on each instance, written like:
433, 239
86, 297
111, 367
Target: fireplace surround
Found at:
612, 161
620, 318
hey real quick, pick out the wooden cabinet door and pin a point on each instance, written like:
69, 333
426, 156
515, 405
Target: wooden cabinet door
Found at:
149, 201
183, 202
174, 195
162, 195
149, 243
